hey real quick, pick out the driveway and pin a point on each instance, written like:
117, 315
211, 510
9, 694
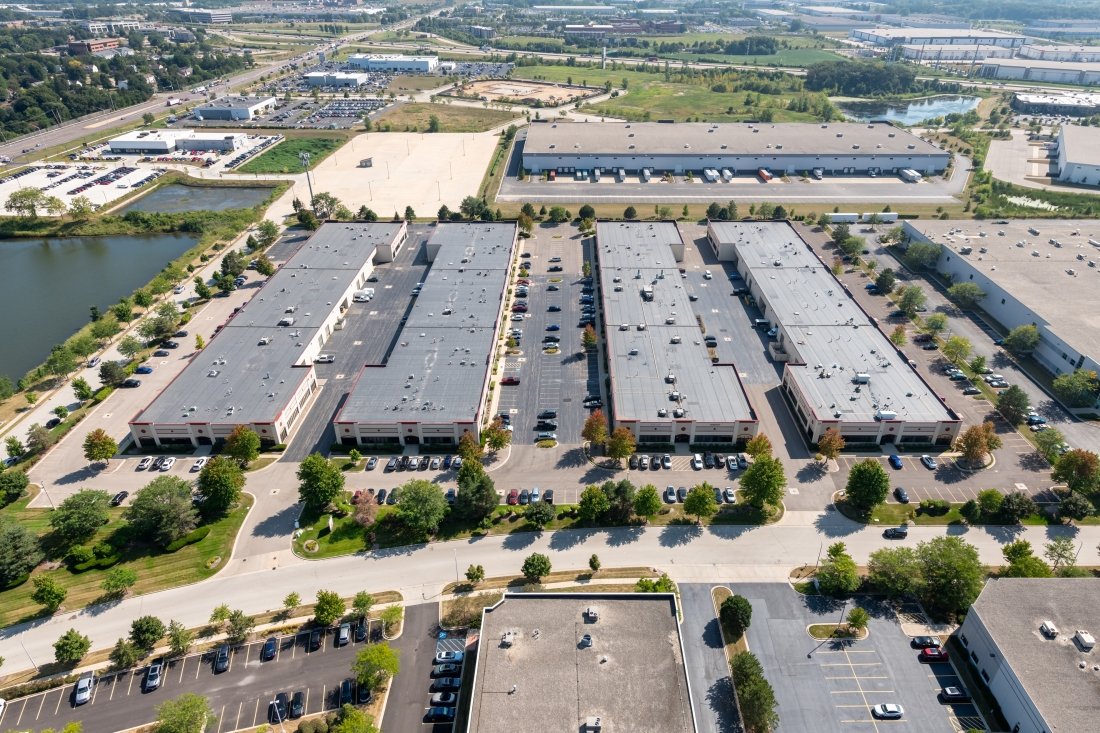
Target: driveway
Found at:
705, 660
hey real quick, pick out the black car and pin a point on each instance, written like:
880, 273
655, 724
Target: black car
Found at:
345, 691
53, 422
391, 464
381, 496
901, 495
392, 498
446, 684
315, 640
681, 494
361, 629
180, 334
446, 670
439, 714
924, 642
548, 496
298, 704
271, 645
277, 710
708, 460
895, 533
118, 498
547, 415
633, 462
171, 344
554, 268
424, 462
131, 383
954, 694
161, 352
221, 659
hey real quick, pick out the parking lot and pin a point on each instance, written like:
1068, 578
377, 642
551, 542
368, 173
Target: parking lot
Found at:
100, 183
412, 689
240, 696
832, 685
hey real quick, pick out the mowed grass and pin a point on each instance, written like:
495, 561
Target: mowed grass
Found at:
155, 571
283, 158
416, 83
785, 57
414, 117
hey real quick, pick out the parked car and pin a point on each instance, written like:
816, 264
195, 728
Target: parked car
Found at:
392, 498
154, 675
548, 496
315, 640
731, 463
444, 698
346, 688
343, 634
729, 495
144, 369
391, 465
895, 533
221, 659
443, 684
450, 657
971, 390
929, 462
82, 693
633, 462
524, 497
924, 642
546, 436
371, 463
510, 381
118, 498
901, 495
697, 462
131, 383
167, 463
198, 464
888, 711
297, 705
681, 494
144, 463
666, 461
933, 654
270, 647
954, 693
439, 715
513, 497
895, 462
278, 708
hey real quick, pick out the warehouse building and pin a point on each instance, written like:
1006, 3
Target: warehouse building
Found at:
664, 386
432, 387
1031, 640
1032, 272
1079, 155
954, 52
235, 108
1076, 104
394, 63
742, 148
258, 370
1086, 54
206, 17
840, 371
162, 142
337, 79
936, 37
1059, 72
581, 662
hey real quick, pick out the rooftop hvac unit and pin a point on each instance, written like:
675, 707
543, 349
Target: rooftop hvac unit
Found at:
1084, 640
593, 724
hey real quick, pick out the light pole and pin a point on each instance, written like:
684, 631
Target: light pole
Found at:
278, 714
303, 158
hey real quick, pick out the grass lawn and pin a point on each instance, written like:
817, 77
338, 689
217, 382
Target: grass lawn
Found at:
283, 158
416, 83
155, 571
786, 57
835, 631
892, 515
415, 116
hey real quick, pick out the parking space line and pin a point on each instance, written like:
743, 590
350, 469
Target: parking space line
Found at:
130, 683
21, 711
95, 691
305, 709
256, 712
60, 697
41, 702
198, 667
221, 719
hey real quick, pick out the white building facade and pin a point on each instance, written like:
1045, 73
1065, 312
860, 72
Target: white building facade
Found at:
395, 63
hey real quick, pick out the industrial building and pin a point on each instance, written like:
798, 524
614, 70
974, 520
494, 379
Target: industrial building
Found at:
394, 63
1076, 104
1079, 155
840, 371
665, 388
586, 662
93, 45
258, 370
1032, 642
954, 52
162, 142
235, 108
206, 17
742, 148
1036, 272
1060, 72
936, 37
432, 387
1086, 54
337, 79
111, 26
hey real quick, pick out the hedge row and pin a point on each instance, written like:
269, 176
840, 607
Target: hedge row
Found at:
188, 539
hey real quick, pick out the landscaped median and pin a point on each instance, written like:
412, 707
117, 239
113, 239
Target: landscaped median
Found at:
754, 696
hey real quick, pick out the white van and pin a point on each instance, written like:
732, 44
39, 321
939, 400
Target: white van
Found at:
707, 275
363, 296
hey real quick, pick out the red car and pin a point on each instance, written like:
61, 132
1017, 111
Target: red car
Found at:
513, 497
519, 308
510, 380
933, 654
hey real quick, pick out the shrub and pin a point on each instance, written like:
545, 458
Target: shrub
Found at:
935, 507
79, 554
188, 539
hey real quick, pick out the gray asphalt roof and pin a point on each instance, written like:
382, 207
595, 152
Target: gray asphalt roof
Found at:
437, 371
831, 336
1012, 609
1087, 66
632, 676
235, 102
904, 33
1082, 144
640, 254
256, 380
706, 138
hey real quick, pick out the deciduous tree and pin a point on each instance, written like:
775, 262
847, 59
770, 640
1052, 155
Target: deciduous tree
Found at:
896, 571
1022, 340
830, 444
118, 580
1079, 388
320, 483
328, 608
1013, 404
593, 503
867, 487
735, 614
188, 713
966, 294
620, 444
952, 574
422, 507
78, 517
71, 647
99, 446
977, 442
911, 299
162, 511
536, 567
243, 444
48, 592
759, 445
763, 482
220, 483
838, 574
595, 428
375, 665
700, 502
647, 502
956, 349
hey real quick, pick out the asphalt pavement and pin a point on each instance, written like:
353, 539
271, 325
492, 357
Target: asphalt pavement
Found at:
705, 660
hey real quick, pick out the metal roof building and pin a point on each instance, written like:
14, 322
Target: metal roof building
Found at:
793, 147
394, 62
235, 108
841, 371
936, 36
664, 386
432, 388
258, 370
1061, 72
1042, 681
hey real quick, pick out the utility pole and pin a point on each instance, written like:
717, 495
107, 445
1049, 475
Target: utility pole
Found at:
303, 157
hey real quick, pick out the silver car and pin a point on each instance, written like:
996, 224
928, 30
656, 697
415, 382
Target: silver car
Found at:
83, 691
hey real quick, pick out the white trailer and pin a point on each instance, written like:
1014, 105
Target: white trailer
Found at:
909, 175
710, 174
645, 175
843, 218
727, 175
596, 175
818, 173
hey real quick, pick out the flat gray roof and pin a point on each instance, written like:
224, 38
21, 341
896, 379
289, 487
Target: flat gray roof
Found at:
903, 33
1012, 609
733, 138
234, 370
632, 676
1087, 66
834, 338
436, 373
236, 102
1082, 144
640, 254
1033, 280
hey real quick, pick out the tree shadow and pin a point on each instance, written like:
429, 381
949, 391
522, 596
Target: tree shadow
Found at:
712, 635
720, 700
676, 535
1033, 462
278, 524
565, 539
832, 523
81, 474
812, 471
572, 458
518, 540
624, 535
823, 605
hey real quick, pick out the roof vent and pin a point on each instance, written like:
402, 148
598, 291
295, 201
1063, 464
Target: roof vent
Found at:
592, 613
1084, 640
593, 724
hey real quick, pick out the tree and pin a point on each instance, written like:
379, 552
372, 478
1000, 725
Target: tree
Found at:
586, 212
966, 294
124, 654
26, 202
353, 720
935, 324
219, 484
830, 444
146, 631
80, 208
291, 602
868, 485
111, 373
477, 495
589, 339
1077, 389
180, 639
922, 255
1022, 562
81, 389
977, 442
911, 299
188, 713
630, 213
755, 695
621, 444
78, 517
391, 616
99, 446
48, 592
647, 502
475, 574
735, 614
594, 563
320, 481
433, 123
896, 571
536, 567
202, 290
1022, 340
1014, 405
700, 502
409, 213
559, 214
956, 349
265, 266
858, 618
328, 608
71, 648
1076, 506
539, 514
15, 447
1017, 505
375, 665
662, 584
838, 574
595, 428
496, 436
243, 444
238, 627
324, 205
118, 580
526, 223
162, 511
593, 503
469, 448
12, 485
1061, 553
422, 506
19, 552
759, 445
841, 233
952, 574
267, 232
763, 482
885, 281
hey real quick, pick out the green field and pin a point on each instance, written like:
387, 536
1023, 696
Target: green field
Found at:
283, 158
786, 57
414, 117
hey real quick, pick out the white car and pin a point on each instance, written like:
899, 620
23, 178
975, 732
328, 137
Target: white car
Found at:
167, 463
697, 462
144, 463
888, 711
324, 359
199, 463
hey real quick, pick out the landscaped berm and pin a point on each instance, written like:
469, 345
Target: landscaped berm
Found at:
284, 157
417, 117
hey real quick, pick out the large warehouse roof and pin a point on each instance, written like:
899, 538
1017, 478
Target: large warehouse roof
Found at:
1041, 282
695, 138
634, 255
1047, 64
436, 372
1082, 144
904, 34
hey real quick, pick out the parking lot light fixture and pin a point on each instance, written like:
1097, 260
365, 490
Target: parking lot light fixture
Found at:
303, 157
279, 715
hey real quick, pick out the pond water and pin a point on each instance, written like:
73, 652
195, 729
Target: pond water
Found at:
911, 112
49, 284
175, 198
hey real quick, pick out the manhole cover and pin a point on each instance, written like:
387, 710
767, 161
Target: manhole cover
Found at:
793, 490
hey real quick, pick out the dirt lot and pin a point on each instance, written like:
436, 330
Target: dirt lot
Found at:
528, 92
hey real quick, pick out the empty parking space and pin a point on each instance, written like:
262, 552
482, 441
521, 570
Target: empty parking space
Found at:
947, 482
